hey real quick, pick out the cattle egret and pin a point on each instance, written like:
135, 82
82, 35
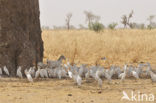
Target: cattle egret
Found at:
37, 74
43, 73
1, 71
123, 75
28, 76
6, 70
79, 80
32, 71
70, 73
135, 74
19, 73
153, 76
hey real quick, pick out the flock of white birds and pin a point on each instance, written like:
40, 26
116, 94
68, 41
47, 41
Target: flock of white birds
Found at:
56, 69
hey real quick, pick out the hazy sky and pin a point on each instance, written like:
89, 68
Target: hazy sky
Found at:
53, 12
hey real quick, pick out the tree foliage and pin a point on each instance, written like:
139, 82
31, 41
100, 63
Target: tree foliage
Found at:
151, 24
112, 26
96, 26
91, 18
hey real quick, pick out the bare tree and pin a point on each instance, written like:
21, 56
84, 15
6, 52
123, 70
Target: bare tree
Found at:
150, 19
126, 20
130, 16
90, 17
68, 19
151, 23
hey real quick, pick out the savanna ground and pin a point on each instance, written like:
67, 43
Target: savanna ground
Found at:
82, 46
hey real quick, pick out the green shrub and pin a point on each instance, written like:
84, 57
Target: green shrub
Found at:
149, 27
112, 26
97, 27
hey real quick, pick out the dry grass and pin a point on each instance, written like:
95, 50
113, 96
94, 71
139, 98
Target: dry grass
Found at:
118, 46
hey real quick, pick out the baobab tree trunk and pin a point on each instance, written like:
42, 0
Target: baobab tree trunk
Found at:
20, 34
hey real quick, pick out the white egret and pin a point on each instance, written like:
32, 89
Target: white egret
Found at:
19, 73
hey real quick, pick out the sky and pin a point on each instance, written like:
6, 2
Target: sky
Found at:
53, 12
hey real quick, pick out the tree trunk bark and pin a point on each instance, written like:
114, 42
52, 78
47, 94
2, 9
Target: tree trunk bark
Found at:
20, 34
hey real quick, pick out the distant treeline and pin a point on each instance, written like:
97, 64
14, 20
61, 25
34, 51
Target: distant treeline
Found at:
94, 23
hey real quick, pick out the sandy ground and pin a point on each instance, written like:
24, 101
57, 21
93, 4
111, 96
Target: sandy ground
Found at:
65, 91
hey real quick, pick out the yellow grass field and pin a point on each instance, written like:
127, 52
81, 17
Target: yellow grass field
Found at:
118, 46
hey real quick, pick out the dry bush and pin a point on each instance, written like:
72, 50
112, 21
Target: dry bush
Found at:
118, 46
